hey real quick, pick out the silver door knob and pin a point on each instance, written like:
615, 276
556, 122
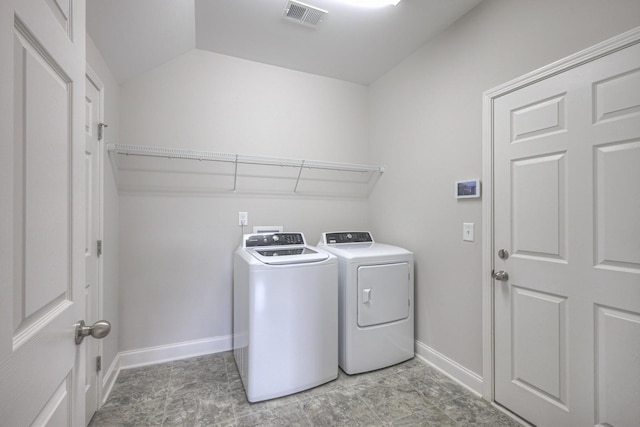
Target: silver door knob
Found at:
100, 329
503, 276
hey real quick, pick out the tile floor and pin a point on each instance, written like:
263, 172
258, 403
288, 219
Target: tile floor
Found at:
207, 391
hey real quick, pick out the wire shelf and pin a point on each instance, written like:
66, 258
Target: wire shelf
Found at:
240, 159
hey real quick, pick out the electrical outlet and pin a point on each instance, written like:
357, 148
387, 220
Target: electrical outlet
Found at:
243, 218
467, 231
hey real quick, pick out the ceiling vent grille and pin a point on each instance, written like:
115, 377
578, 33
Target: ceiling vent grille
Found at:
303, 14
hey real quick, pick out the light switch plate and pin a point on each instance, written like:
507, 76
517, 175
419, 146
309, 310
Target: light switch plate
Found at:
467, 232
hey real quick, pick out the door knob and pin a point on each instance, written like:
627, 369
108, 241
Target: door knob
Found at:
100, 329
501, 275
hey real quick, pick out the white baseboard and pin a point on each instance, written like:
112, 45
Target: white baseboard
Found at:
169, 352
109, 378
162, 353
451, 368
183, 350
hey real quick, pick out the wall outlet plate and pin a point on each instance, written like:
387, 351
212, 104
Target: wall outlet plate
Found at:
243, 218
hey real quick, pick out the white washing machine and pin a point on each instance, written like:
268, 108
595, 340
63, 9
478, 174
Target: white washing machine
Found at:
285, 315
375, 301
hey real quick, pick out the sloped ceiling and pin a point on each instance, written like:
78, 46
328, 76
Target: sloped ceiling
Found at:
353, 43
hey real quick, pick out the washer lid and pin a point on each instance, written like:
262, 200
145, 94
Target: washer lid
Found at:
274, 255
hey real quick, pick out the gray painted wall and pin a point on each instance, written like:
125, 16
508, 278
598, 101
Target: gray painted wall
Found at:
422, 121
176, 248
426, 124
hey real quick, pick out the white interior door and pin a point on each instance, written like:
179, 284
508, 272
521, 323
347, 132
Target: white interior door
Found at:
42, 50
93, 179
567, 210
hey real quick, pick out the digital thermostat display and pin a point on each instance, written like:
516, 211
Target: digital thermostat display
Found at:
467, 189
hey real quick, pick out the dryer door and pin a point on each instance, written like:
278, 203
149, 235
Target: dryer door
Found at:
383, 293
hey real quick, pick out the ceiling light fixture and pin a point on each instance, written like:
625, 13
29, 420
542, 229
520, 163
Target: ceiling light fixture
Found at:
372, 3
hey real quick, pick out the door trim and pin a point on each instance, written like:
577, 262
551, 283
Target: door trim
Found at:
597, 51
95, 80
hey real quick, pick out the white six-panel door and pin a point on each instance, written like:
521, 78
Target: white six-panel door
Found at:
567, 210
42, 51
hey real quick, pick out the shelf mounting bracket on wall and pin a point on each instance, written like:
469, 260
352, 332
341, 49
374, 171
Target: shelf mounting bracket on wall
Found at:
295, 189
235, 174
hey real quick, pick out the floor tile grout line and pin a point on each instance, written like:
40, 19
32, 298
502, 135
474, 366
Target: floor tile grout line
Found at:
233, 402
397, 374
166, 397
373, 411
428, 401
233, 406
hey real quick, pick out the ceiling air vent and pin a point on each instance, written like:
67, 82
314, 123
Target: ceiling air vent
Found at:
303, 14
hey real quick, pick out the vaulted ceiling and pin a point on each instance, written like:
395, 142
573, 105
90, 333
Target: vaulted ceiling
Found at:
352, 43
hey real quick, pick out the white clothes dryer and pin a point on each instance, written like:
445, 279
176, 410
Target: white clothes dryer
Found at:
375, 301
285, 315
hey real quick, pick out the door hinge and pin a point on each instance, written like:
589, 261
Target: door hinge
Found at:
101, 127
99, 248
98, 363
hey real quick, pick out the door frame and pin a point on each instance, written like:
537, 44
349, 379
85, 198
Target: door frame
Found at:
95, 80
597, 51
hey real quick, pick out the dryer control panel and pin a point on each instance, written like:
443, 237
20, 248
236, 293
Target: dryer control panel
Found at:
348, 237
273, 239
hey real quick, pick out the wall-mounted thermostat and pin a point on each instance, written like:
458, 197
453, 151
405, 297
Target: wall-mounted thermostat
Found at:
468, 189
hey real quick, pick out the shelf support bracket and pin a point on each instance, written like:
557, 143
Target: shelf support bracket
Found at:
298, 179
235, 174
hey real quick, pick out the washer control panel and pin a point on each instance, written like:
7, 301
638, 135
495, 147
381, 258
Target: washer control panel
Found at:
348, 237
273, 239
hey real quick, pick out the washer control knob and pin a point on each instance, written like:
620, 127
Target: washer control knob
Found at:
276, 238
349, 236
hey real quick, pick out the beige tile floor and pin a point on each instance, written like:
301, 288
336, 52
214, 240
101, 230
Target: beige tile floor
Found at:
207, 391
